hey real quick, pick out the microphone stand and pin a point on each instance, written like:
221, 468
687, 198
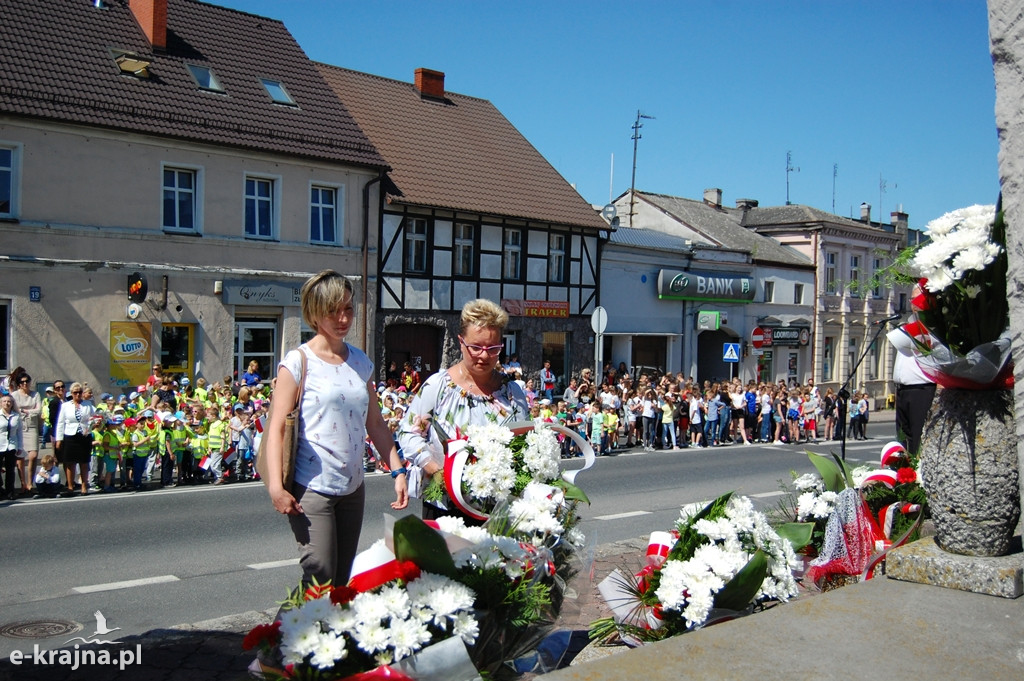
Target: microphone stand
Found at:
844, 394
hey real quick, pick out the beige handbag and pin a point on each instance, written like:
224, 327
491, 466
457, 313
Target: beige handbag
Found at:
290, 441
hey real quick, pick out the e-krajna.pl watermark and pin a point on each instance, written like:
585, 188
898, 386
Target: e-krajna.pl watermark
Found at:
79, 657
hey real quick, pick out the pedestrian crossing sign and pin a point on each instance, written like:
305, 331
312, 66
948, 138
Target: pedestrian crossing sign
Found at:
731, 352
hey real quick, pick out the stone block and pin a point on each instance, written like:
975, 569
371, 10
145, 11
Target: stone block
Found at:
924, 562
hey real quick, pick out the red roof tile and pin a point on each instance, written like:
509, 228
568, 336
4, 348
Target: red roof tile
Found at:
459, 153
57, 65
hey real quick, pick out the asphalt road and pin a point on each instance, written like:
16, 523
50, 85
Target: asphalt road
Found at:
168, 557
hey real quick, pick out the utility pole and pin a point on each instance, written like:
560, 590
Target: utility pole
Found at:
632, 184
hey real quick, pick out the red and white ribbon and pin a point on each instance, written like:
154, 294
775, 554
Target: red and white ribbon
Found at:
892, 452
886, 477
658, 546
456, 453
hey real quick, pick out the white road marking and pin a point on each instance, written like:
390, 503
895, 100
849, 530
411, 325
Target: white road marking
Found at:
765, 495
273, 564
616, 516
113, 586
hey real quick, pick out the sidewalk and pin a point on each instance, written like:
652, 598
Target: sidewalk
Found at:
883, 628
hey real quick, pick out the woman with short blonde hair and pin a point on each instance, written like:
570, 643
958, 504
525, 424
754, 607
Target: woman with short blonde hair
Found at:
473, 391
338, 410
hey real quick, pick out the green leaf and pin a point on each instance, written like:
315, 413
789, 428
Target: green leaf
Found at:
572, 492
847, 473
797, 534
740, 590
831, 474
418, 542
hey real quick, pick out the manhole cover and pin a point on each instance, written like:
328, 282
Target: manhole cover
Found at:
44, 629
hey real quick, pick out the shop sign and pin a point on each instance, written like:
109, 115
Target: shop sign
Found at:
708, 286
535, 308
129, 353
275, 293
773, 336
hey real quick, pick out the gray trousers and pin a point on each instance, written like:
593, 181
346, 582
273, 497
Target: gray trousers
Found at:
327, 533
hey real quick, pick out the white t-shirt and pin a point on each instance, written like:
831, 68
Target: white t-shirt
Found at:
332, 421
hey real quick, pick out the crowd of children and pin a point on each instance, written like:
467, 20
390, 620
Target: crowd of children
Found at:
174, 433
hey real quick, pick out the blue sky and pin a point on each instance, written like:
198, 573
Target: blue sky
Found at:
899, 91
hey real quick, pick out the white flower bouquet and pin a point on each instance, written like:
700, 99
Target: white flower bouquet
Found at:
722, 560
959, 336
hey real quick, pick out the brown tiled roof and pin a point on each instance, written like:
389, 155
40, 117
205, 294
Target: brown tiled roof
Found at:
459, 153
57, 65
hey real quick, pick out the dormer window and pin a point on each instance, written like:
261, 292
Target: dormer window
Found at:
131, 64
277, 92
204, 77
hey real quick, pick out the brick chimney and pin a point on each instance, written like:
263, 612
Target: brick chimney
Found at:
865, 212
713, 197
430, 83
152, 17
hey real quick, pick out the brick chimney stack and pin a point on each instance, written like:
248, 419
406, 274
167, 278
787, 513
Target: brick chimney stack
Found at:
152, 17
430, 83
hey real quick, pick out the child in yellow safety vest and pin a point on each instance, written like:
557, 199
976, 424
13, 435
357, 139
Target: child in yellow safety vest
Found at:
143, 443
175, 448
217, 439
113, 444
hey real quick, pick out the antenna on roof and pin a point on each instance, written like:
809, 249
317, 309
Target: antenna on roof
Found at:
789, 169
636, 137
835, 173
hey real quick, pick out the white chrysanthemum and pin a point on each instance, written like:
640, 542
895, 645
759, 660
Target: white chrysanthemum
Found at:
466, 626
396, 600
318, 609
407, 637
370, 607
329, 650
542, 453
535, 516
959, 242
371, 636
859, 474
299, 643
808, 481
340, 619
295, 620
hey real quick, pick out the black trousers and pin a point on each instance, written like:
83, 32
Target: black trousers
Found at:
10, 459
912, 405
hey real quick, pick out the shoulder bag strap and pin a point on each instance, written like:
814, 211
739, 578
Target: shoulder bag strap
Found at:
302, 378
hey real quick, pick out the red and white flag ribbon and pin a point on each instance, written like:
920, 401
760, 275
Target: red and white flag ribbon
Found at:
892, 452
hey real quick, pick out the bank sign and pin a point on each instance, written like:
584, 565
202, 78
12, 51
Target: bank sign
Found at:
709, 286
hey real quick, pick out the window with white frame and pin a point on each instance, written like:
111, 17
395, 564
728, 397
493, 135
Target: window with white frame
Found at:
416, 245
556, 258
831, 285
511, 255
181, 199
259, 207
324, 216
464, 260
854, 275
8, 182
875, 367
769, 291
798, 294
878, 265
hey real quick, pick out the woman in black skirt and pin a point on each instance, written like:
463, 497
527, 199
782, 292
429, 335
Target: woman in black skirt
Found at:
73, 440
